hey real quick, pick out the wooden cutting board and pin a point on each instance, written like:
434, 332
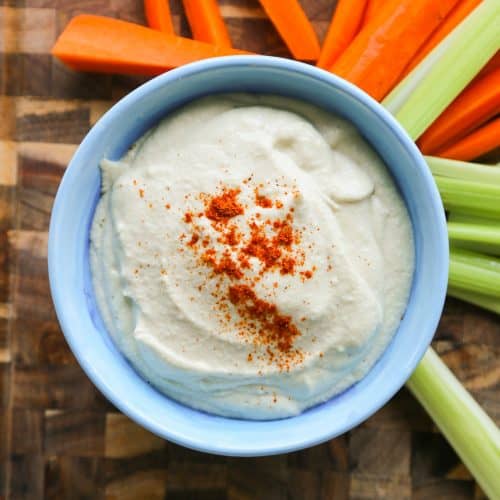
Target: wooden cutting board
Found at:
59, 438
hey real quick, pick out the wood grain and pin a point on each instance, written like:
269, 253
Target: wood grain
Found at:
63, 440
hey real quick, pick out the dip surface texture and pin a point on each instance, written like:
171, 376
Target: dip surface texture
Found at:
251, 255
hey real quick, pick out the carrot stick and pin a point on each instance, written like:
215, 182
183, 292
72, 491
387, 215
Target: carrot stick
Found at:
378, 55
294, 28
479, 102
103, 44
492, 65
206, 22
477, 143
343, 28
454, 18
158, 15
372, 9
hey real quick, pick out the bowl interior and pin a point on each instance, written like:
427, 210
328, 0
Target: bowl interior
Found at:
71, 281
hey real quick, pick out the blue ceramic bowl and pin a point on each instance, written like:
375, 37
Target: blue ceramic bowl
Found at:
73, 294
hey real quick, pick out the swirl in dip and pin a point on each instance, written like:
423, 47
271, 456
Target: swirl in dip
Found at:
251, 255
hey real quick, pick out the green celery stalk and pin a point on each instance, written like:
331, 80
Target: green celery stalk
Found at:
485, 301
471, 219
474, 278
474, 198
474, 232
483, 237
476, 259
463, 170
475, 272
421, 97
463, 232
467, 427
484, 248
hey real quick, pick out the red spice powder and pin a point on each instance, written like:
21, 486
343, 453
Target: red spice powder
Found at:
194, 239
285, 235
260, 246
228, 267
244, 262
272, 244
275, 328
225, 206
224, 266
231, 236
261, 200
287, 266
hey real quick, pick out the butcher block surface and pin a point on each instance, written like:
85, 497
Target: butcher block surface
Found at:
59, 437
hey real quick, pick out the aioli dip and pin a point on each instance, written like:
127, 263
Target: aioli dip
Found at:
251, 255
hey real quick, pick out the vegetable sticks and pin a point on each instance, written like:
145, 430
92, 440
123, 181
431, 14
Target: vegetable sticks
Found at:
344, 26
294, 28
103, 44
426, 92
475, 105
492, 65
473, 198
473, 435
485, 301
455, 17
465, 171
472, 233
479, 142
372, 9
380, 52
475, 272
158, 15
206, 22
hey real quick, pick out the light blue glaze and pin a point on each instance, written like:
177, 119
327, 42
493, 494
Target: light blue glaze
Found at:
70, 279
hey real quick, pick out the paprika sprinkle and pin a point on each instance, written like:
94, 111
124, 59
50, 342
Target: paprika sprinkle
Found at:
242, 255
225, 206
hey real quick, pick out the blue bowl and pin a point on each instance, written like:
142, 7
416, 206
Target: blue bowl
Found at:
73, 294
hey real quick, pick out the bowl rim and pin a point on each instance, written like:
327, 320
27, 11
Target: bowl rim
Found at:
321, 435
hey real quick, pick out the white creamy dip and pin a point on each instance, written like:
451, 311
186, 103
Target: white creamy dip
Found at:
251, 255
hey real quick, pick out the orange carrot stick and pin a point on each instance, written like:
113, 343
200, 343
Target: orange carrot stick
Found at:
294, 28
103, 44
491, 65
158, 15
477, 143
206, 22
378, 55
454, 18
372, 9
344, 26
479, 102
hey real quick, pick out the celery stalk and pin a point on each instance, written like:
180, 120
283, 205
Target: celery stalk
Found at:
474, 232
484, 248
467, 427
471, 219
479, 260
421, 97
475, 236
478, 234
475, 272
463, 170
474, 278
478, 299
474, 198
